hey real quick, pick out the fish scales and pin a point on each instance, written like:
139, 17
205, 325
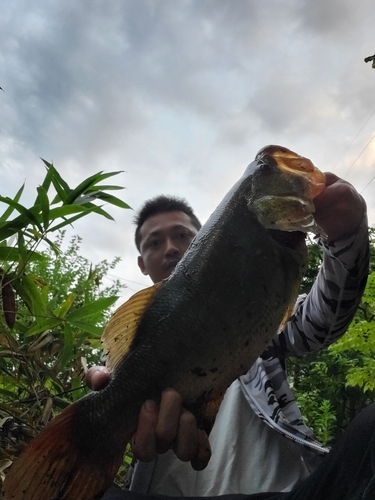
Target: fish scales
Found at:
201, 328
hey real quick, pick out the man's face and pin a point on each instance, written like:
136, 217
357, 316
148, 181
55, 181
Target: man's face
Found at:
164, 240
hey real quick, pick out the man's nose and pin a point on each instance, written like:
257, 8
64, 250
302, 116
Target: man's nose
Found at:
171, 248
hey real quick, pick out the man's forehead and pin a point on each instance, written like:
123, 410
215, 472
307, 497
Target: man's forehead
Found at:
165, 221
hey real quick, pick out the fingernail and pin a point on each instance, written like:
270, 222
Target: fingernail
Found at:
149, 405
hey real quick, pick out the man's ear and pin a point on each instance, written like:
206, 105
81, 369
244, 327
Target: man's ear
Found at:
142, 266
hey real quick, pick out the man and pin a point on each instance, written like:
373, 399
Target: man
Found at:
249, 456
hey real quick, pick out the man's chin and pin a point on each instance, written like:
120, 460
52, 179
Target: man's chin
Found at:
163, 275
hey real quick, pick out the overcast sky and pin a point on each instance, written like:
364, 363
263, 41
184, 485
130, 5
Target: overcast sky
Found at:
180, 95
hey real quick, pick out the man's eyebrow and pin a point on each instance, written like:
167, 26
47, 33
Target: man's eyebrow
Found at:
151, 235
157, 232
180, 226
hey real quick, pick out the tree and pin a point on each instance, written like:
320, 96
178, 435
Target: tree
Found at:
53, 308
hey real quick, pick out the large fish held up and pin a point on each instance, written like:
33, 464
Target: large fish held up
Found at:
196, 331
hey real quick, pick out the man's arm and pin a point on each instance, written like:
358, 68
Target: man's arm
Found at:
323, 316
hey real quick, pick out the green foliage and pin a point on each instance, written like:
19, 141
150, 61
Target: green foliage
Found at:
53, 307
334, 385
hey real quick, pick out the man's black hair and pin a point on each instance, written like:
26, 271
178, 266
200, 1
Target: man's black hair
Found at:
159, 205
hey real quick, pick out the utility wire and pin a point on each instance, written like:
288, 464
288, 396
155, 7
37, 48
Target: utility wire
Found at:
350, 145
369, 182
360, 154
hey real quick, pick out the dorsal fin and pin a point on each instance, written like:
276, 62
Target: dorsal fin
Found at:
121, 328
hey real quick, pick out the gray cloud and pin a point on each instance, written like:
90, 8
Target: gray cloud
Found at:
180, 95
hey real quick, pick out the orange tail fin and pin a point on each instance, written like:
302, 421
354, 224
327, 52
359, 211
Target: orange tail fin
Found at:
66, 463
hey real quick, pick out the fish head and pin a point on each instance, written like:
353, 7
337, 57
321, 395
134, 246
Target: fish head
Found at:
284, 185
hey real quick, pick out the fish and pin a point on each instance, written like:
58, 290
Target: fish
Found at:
196, 331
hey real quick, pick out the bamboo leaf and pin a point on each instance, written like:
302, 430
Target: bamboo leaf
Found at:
89, 208
26, 213
64, 211
46, 184
99, 211
88, 184
12, 227
27, 288
43, 326
68, 346
96, 331
53, 245
8, 212
44, 204
58, 182
107, 175
105, 187
113, 200
63, 308
12, 254
70, 221
22, 250
81, 188
90, 309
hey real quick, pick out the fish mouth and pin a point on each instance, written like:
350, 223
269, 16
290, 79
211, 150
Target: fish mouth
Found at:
289, 162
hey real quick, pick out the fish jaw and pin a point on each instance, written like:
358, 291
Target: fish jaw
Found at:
282, 208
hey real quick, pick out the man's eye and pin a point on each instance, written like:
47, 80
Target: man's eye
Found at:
184, 236
153, 243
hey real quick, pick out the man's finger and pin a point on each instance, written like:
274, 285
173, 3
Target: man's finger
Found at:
168, 419
203, 454
143, 442
97, 377
186, 443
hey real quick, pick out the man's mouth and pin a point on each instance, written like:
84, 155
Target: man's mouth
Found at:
170, 264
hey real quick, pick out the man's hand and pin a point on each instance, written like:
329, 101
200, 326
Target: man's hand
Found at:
339, 209
163, 427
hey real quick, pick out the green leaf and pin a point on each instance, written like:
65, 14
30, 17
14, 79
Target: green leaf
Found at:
27, 214
65, 210
27, 288
22, 250
13, 254
106, 187
62, 188
63, 308
87, 184
89, 209
113, 200
70, 221
8, 212
96, 331
44, 324
101, 176
68, 346
53, 246
81, 188
44, 203
84, 312
46, 184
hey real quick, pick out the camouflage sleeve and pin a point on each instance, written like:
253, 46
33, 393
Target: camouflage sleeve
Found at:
323, 315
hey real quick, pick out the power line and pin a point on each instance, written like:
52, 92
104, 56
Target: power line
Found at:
360, 154
125, 279
350, 145
369, 182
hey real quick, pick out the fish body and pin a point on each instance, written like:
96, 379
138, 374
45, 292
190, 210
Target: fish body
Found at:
196, 331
